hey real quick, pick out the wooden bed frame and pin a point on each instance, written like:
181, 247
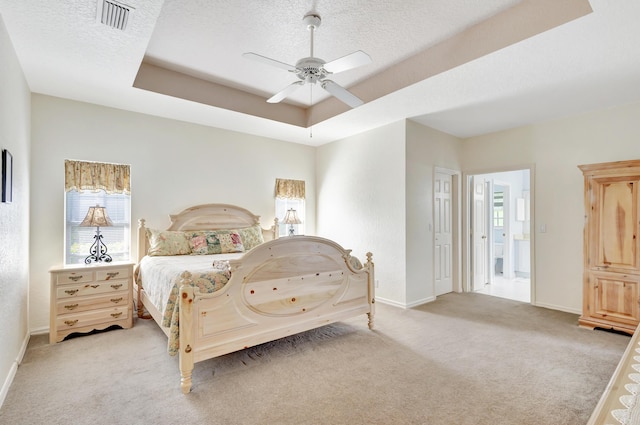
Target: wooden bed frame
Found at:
281, 287
611, 399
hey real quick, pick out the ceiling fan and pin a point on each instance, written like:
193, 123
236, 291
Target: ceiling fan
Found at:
315, 70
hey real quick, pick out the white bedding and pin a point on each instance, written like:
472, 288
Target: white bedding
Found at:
159, 274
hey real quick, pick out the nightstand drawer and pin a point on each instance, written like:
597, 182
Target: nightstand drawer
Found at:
74, 277
121, 273
93, 317
76, 305
92, 288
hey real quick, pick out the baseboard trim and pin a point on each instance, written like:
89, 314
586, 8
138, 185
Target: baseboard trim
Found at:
557, 307
420, 302
13, 370
404, 305
40, 331
389, 302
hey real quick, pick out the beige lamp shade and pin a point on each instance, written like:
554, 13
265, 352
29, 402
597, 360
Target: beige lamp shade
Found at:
96, 217
291, 217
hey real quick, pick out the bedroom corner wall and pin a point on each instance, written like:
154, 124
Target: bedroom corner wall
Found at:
557, 148
361, 202
427, 149
14, 217
174, 165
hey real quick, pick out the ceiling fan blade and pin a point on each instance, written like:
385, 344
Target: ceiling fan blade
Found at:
286, 92
341, 93
352, 60
259, 58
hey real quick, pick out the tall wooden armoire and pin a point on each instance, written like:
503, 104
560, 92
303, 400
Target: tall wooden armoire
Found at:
611, 246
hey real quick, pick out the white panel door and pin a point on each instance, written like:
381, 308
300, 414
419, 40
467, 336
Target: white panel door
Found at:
443, 249
479, 259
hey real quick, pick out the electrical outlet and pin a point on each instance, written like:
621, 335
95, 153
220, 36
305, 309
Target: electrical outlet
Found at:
377, 283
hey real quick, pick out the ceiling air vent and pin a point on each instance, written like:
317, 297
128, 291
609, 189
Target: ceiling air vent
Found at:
114, 14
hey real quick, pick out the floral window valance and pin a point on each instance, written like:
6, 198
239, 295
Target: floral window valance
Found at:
83, 175
290, 189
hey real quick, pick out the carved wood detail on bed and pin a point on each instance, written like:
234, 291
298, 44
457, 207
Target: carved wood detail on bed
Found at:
281, 287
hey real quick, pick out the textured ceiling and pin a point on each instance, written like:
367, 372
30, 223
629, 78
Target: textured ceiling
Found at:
465, 68
206, 39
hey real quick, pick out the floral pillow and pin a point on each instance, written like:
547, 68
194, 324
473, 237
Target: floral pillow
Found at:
167, 242
206, 242
251, 236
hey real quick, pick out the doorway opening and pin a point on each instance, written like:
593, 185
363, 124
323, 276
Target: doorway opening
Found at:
500, 234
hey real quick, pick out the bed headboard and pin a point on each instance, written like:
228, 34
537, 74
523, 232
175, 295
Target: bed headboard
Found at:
208, 217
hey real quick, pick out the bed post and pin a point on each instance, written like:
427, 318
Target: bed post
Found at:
275, 228
186, 332
142, 239
372, 286
142, 251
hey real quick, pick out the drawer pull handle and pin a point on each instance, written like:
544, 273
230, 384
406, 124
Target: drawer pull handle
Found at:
71, 291
116, 300
118, 314
71, 306
75, 278
70, 322
117, 286
95, 286
112, 275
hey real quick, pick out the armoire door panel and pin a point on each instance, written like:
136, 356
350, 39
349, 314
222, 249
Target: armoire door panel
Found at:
616, 243
614, 297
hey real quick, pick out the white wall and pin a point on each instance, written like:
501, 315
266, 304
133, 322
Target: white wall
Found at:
174, 165
14, 217
427, 149
360, 179
361, 201
557, 148
375, 193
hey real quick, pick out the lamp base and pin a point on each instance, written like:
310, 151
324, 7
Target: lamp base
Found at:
98, 252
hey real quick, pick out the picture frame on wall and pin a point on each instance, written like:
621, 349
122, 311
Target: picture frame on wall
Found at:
7, 176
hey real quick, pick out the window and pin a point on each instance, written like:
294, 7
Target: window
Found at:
290, 194
117, 238
88, 184
498, 217
282, 205
498, 209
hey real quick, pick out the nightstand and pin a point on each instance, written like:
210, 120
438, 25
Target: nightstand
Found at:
90, 297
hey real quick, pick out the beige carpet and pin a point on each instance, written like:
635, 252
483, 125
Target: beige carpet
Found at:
463, 359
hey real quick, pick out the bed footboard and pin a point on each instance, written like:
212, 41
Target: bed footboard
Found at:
280, 288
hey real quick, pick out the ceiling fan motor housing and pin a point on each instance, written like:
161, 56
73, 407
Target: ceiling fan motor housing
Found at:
311, 70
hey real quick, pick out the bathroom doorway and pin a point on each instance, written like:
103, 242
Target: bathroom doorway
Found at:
500, 232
